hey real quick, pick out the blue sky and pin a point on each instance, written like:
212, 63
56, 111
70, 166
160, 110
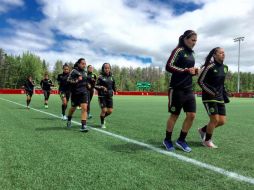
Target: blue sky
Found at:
125, 32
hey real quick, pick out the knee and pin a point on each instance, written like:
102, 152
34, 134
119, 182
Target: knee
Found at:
221, 122
214, 122
109, 111
191, 116
173, 117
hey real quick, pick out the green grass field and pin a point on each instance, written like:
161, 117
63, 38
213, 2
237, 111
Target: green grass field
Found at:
37, 151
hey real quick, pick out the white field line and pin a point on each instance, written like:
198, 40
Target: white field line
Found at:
192, 161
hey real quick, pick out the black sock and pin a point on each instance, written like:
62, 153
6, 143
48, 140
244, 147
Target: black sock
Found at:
203, 129
208, 136
69, 118
102, 119
182, 136
168, 135
63, 109
28, 102
107, 114
83, 122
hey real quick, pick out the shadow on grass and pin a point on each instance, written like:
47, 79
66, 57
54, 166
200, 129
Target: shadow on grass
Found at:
45, 118
51, 129
127, 148
57, 128
94, 125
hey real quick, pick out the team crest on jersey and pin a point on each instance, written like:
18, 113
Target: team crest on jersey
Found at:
215, 71
185, 55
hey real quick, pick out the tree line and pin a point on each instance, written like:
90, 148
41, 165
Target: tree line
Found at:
15, 69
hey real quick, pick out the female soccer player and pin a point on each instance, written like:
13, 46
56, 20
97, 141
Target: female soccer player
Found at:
214, 95
46, 84
29, 88
181, 64
106, 87
79, 93
92, 80
64, 88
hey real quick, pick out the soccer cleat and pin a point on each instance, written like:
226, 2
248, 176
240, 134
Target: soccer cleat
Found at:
103, 126
183, 145
28, 107
202, 134
46, 106
209, 144
168, 145
68, 124
83, 128
64, 117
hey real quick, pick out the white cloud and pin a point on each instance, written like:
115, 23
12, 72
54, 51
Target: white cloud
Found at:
114, 28
6, 5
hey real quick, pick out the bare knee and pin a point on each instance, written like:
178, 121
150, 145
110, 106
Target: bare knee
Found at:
191, 116
173, 117
109, 111
221, 122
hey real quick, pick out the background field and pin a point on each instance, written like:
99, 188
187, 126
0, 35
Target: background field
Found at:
37, 151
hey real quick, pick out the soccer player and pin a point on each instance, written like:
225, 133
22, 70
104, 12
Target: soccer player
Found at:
46, 85
181, 65
106, 87
64, 88
79, 93
214, 95
29, 88
92, 80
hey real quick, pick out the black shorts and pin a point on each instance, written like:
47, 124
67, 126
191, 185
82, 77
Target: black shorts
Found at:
77, 99
106, 102
214, 108
64, 94
178, 99
46, 94
29, 93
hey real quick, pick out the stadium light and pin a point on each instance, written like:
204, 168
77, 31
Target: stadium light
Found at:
238, 39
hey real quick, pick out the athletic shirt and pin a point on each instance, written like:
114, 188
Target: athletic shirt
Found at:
29, 86
91, 77
63, 83
180, 59
78, 87
107, 81
211, 80
46, 84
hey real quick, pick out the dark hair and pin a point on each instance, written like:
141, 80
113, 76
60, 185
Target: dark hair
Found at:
65, 65
78, 62
102, 68
209, 57
187, 34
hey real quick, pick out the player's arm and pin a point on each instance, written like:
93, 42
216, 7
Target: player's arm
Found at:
202, 78
73, 77
99, 85
173, 59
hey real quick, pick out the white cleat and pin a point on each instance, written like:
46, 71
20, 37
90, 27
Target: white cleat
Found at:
209, 144
64, 117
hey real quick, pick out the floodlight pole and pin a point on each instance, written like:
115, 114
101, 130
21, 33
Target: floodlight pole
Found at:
238, 39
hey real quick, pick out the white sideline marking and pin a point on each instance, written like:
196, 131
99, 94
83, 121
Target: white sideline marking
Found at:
222, 171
